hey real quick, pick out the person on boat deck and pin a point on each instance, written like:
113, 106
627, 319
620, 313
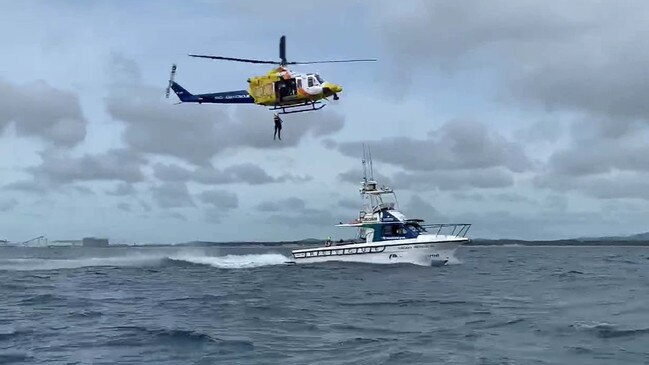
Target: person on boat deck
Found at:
278, 127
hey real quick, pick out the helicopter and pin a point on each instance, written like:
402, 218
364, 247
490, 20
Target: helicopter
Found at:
281, 89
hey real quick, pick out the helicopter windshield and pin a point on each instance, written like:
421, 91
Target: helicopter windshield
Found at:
320, 80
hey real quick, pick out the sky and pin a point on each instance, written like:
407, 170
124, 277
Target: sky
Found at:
527, 119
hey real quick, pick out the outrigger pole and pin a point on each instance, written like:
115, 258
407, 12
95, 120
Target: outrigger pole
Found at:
364, 165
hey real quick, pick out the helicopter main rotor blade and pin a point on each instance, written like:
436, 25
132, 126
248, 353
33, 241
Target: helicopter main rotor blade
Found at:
282, 50
333, 61
248, 60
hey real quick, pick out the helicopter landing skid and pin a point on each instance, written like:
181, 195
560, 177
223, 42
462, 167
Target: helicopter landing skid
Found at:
299, 108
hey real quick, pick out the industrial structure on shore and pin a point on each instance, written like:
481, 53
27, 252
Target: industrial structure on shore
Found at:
42, 241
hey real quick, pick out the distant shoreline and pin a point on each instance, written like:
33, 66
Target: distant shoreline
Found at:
473, 242
561, 243
292, 244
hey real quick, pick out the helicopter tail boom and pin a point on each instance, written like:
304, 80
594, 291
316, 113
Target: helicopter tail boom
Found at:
227, 97
183, 95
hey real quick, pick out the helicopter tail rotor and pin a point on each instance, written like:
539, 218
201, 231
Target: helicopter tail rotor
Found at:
171, 80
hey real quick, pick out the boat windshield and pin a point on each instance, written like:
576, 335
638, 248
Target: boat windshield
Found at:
416, 227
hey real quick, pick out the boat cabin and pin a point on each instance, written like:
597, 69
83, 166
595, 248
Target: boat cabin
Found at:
392, 231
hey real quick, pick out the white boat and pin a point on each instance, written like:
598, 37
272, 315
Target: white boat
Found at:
385, 235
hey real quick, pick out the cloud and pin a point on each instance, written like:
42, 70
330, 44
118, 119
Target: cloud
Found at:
84, 190
146, 206
468, 196
419, 208
456, 145
329, 143
350, 204
42, 187
355, 176
294, 212
176, 216
220, 202
573, 56
601, 167
541, 131
596, 156
124, 207
313, 217
455, 180
60, 167
39, 110
288, 204
548, 66
440, 31
579, 59
621, 185
122, 189
511, 198
556, 202
546, 224
8, 204
172, 195
185, 131
221, 199
248, 173
28, 186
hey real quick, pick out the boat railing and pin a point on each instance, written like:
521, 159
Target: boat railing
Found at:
451, 229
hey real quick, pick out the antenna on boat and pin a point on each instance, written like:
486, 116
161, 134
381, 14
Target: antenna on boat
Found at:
369, 151
364, 165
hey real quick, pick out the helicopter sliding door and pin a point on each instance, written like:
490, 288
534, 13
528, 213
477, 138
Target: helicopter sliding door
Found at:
286, 90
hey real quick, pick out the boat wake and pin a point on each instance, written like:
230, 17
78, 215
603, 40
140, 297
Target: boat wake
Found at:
608, 330
233, 261
33, 264
148, 260
452, 260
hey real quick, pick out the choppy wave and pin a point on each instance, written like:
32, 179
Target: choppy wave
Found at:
608, 330
224, 262
188, 305
139, 335
9, 333
10, 358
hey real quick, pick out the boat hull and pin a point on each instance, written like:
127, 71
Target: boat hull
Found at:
419, 253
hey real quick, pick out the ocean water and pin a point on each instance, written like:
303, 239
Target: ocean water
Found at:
493, 305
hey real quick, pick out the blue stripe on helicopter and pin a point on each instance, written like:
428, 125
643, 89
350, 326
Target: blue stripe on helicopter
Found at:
228, 97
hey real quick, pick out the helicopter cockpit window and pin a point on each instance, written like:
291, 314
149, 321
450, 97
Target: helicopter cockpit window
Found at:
310, 83
320, 80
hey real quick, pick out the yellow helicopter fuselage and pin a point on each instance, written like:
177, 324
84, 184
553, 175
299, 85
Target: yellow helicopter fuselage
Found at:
281, 87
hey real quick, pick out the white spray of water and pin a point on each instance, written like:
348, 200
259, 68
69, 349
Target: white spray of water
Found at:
452, 260
141, 260
56, 264
234, 261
